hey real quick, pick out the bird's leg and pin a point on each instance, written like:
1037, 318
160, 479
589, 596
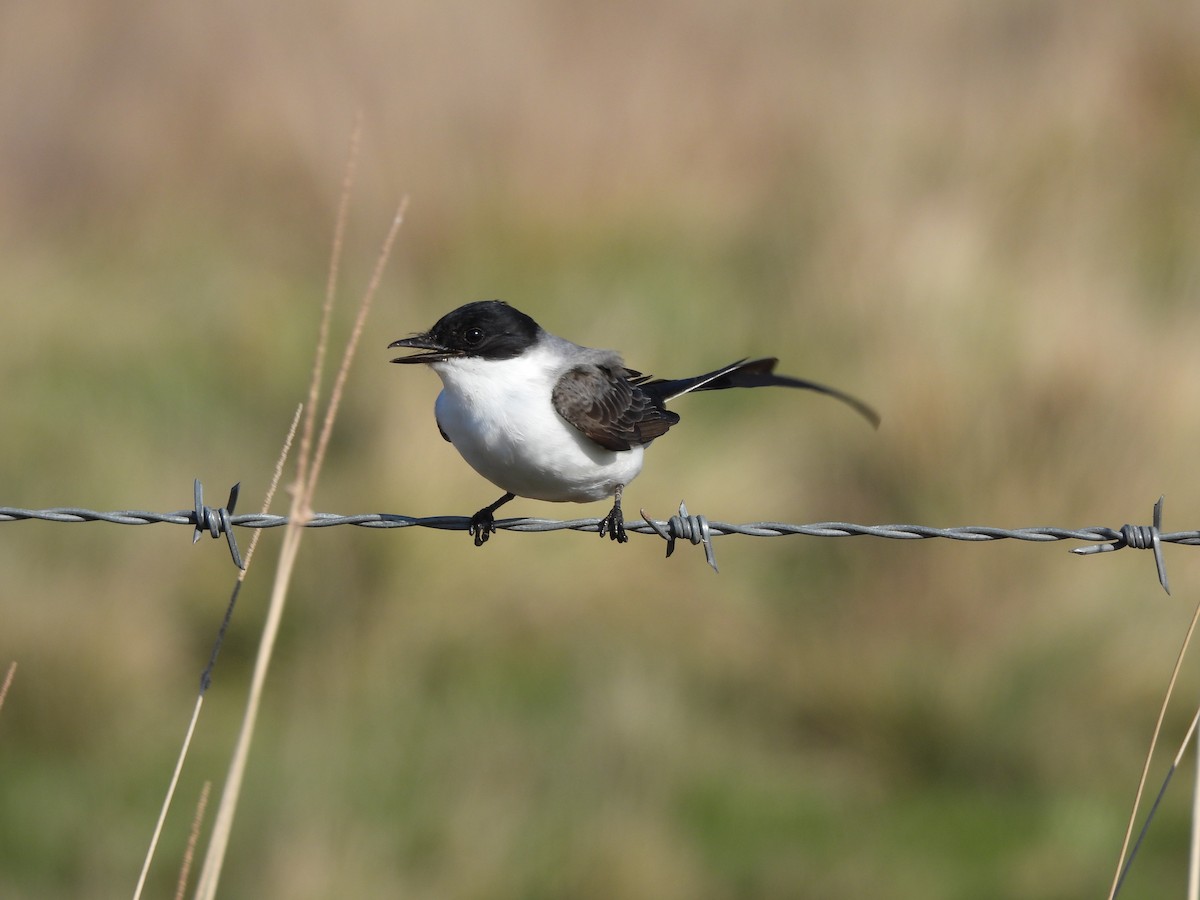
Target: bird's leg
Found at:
483, 523
614, 523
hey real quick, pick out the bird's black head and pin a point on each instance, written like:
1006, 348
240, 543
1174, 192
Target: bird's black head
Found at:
487, 329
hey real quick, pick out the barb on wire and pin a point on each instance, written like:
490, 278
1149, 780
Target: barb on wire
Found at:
217, 521
692, 528
697, 529
1140, 537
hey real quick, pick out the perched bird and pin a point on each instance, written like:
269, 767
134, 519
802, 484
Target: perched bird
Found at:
545, 418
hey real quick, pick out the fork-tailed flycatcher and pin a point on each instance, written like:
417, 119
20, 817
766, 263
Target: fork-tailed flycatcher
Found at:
542, 417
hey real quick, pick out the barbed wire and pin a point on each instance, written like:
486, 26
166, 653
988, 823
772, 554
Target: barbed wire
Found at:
683, 526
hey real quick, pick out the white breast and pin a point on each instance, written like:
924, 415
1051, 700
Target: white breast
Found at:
499, 416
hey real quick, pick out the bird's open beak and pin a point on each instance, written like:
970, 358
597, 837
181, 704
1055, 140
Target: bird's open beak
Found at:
435, 352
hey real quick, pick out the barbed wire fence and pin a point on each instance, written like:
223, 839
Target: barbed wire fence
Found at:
696, 529
221, 522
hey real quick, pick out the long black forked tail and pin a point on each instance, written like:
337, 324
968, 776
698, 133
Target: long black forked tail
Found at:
749, 373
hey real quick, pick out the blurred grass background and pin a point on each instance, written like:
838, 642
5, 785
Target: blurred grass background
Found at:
982, 218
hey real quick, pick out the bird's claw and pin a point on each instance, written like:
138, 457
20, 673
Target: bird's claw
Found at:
614, 525
482, 526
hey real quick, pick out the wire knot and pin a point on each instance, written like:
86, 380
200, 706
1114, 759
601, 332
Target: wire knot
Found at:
685, 526
217, 521
1139, 537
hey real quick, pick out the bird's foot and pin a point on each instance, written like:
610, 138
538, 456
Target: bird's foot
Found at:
482, 526
614, 525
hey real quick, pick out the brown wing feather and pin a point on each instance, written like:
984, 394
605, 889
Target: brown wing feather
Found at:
608, 405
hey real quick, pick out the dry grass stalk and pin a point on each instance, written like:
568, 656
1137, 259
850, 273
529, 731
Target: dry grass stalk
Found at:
191, 729
8, 679
308, 468
193, 837
1137, 800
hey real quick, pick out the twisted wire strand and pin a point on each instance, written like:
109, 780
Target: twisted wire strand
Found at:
1040, 534
683, 526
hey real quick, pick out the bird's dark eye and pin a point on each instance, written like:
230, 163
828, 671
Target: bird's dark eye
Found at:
473, 336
